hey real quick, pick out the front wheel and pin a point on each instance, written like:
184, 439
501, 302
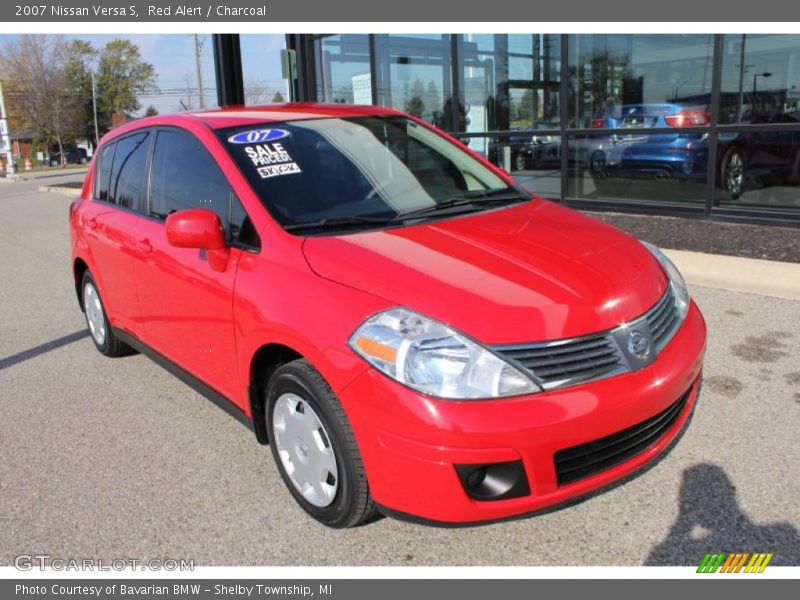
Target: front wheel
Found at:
314, 447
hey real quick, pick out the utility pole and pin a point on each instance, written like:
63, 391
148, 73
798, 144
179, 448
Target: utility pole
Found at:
5, 130
197, 44
94, 107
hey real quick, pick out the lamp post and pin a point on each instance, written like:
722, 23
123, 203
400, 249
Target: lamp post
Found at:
755, 80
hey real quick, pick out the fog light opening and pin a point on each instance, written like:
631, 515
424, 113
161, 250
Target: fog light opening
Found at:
495, 481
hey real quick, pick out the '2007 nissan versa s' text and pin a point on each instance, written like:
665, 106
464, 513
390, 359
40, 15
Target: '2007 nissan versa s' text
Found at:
408, 329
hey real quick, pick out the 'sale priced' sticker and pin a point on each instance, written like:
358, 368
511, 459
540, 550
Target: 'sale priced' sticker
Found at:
271, 159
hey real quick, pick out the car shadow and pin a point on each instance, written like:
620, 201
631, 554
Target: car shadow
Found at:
710, 520
15, 359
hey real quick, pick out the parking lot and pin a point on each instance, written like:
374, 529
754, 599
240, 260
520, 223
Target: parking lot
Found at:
116, 458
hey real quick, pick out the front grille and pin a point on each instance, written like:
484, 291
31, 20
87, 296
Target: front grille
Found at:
663, 319
560, 363
588, 459
556, 363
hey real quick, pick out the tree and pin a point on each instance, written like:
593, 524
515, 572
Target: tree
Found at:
36, 84
432, 99
81, 56
278, 98
150, 111
415, 105
525, 108
122, 75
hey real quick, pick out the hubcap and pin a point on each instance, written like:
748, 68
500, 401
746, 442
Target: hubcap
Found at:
94, 313
735, 173
304, 448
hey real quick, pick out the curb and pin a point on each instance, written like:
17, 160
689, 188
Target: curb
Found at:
58, 189
765, 277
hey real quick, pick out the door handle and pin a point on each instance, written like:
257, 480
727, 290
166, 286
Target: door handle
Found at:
144, 245
91, 223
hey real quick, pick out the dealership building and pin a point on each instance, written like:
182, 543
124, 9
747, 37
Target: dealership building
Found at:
696, 125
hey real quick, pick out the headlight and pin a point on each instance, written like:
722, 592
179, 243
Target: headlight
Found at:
432, 358
675, 278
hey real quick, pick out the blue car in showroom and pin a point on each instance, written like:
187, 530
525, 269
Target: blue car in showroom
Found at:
746, 159
615, 158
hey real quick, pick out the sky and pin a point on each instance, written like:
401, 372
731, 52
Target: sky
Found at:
172, 56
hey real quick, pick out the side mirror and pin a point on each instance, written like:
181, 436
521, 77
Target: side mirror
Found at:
199, 228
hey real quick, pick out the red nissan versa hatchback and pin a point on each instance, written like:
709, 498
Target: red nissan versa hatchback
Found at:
407, 328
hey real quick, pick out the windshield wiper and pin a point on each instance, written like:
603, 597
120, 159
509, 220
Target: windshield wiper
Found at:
341, 222
471, 201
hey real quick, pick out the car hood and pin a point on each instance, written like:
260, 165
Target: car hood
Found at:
524, 273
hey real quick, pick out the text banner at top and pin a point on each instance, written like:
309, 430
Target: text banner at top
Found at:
407, 11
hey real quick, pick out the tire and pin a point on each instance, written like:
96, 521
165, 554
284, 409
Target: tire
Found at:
82, 161
520, 162
53, 163
309, 433
732, 173
606, 184
105, 341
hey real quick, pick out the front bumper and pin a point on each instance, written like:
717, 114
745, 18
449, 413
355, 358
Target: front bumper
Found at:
410, 443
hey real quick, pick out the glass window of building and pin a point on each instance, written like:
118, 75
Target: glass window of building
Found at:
640, 80
760, 79
415, 77
759, 166
645, 82
261, 68
511, 82
343, 69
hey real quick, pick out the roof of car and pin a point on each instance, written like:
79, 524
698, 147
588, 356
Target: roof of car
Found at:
231, 116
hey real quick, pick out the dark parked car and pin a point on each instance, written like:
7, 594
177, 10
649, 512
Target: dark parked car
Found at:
521, 145
74, 156
759, 158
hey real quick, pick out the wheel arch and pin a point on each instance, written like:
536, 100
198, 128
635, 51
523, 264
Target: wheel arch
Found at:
79, 267
266, 360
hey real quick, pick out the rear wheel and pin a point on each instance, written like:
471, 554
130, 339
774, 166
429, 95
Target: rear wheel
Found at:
96, 320
314, 447
606, 184
732, 173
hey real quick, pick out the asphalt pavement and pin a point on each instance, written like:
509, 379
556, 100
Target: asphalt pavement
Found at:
115, 458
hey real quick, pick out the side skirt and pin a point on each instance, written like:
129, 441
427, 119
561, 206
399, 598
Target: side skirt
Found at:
193, 382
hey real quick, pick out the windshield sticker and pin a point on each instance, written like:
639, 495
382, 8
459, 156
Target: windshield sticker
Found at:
255, 136
273, 170
271, 160
267, 154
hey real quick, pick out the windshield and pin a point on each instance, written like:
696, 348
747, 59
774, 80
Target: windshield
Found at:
368, 170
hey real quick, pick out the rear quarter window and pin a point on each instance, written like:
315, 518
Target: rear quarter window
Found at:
103, 171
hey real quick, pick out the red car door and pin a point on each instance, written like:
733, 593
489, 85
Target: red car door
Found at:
110, 222
185, 305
